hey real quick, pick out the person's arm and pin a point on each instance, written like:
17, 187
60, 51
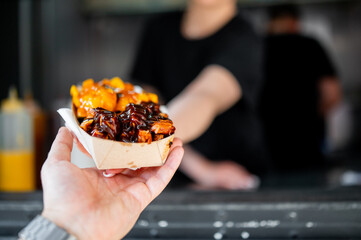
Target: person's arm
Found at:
329, 87
224, 174
214, 91
90, 206
330, 94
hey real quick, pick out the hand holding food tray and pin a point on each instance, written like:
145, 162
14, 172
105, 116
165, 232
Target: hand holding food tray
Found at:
120, 125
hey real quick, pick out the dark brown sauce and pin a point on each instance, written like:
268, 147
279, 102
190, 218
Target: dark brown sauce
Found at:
138, 123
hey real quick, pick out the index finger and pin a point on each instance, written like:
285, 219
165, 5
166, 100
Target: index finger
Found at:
62, 146
157, 178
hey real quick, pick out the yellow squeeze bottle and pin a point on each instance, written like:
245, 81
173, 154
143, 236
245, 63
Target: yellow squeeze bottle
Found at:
17, 165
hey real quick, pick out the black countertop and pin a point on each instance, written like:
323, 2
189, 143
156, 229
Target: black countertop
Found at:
184, 214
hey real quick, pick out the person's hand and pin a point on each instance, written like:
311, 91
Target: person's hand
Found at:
227, 175
91, 206
210, 174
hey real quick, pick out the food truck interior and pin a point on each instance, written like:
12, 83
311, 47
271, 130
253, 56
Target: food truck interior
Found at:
49, 45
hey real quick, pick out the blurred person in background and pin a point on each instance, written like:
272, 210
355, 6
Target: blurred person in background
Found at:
301, 88
206, 62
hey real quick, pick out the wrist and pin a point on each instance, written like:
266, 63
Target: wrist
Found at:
76, 225
66, 224
206, 173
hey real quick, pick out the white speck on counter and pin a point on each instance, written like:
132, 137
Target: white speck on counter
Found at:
153, 232
163, 223
218, 236
143, 223
293, 214
229, 224
217, 224
310, 224
245, 235
257, 224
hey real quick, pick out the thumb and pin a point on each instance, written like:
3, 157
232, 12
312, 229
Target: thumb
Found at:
62, 146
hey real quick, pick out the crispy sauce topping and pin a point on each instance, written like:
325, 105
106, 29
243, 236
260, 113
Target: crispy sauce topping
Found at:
138, 123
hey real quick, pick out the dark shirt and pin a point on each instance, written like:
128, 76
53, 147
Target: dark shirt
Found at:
294, 65
170, 62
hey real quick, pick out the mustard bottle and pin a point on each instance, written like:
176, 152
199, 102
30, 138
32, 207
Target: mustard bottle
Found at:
17, 165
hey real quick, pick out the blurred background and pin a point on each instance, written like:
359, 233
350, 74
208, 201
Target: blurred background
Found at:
48, 45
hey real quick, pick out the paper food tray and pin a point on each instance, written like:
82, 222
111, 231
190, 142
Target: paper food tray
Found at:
109, 154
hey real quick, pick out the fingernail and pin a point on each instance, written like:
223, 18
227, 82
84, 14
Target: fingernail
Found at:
253, 182
108, 175
61, 129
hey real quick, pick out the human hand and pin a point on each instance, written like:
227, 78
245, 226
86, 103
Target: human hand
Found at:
91, 206
227, 175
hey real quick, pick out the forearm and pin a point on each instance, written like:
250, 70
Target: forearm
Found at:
214, 91
192, 115
330, 94
194, 165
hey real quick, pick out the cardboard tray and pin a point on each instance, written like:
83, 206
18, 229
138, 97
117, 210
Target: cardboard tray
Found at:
109, 154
